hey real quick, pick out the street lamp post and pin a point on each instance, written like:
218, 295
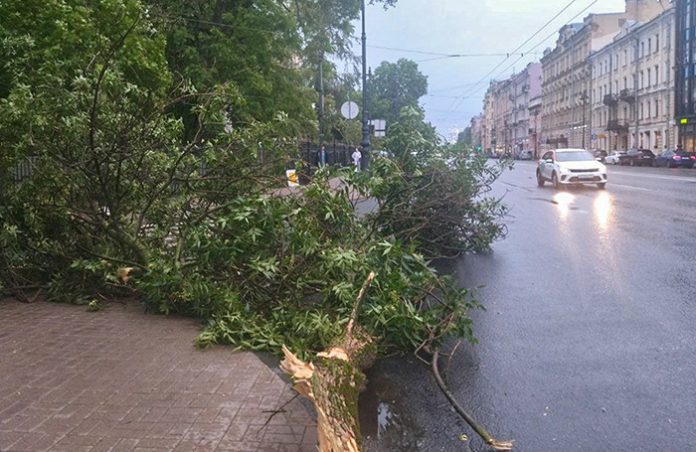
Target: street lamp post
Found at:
583, 98
365, 126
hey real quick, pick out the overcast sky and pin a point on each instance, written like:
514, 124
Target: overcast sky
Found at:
467, 27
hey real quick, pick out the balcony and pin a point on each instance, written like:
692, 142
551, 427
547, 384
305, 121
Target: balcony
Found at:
617, 125
627, 95
611, 100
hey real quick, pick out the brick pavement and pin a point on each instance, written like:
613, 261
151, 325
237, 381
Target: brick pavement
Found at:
121, 380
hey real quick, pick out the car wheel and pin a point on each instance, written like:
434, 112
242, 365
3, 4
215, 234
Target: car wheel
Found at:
670, 165
602, 185
554, 181
540, 179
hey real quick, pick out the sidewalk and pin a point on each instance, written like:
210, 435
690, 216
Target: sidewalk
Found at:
122, 380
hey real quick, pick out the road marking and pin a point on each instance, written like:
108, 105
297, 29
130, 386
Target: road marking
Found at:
611, 184
653, 176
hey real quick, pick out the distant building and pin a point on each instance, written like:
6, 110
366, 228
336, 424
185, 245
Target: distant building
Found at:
476, 126
524, 86
685, 73
534, 110
567, 75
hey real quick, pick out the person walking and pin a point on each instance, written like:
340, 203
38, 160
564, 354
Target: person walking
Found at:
357, 156
322, 157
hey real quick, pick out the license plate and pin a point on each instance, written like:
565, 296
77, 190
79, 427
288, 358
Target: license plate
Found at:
586, 177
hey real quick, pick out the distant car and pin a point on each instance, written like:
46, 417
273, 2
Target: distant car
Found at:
673, 159
525, 155
637, 157
564, 167
600, 154
613, 158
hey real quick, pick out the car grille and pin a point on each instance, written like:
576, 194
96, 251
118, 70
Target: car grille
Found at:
592, 170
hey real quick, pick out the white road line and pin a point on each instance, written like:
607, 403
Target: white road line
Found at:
631, 187
653, 176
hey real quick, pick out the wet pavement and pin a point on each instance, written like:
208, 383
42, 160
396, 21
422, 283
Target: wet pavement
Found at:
122, 380
588, 341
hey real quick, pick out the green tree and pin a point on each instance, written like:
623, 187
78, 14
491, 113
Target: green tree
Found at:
394, 86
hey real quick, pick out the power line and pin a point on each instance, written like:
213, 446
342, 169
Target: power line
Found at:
441, 54
549, 36
485, 77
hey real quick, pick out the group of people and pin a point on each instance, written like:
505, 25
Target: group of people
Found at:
356, 156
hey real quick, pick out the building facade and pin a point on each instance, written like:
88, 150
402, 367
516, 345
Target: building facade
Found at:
476, 127
506, 117
567, 74
685, 73
524, 86
632, 94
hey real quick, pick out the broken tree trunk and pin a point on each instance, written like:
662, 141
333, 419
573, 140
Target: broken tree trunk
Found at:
334, 381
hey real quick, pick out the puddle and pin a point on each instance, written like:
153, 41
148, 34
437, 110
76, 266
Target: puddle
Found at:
385, 421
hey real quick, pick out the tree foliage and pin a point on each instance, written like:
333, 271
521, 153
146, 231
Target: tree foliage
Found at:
128, 195
394, 86
435, 195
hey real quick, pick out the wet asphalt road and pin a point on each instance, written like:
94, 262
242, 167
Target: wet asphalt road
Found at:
588, 341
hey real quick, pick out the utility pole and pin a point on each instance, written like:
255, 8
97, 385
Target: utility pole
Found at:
635, 95
321, 99
583, 98
365, 126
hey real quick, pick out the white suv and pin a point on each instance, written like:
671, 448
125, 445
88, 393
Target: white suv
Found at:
571, 167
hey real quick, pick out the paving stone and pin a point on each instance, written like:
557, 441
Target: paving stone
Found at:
119, 379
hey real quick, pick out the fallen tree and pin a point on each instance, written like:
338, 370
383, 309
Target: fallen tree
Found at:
334, 382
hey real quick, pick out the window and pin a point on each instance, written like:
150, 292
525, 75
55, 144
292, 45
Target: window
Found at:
642, 79
625, 58
657, 74
616, 86
648, 115
657, 43
616, 62
657, 108
649, 46
625, 85
641, 110
649, 78
642, 49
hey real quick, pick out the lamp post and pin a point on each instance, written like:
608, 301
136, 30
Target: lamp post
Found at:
365, 126
583, 98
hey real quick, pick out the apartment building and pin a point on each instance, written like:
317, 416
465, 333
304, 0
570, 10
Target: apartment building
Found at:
534, 110
567, 74
497, 134
476, 127
632, 94
524, 86
685, 77
506, 117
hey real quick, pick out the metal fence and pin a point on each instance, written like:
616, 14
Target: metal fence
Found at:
337, 154
23, 170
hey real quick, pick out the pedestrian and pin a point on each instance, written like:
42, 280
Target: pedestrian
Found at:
322, 157
357, 156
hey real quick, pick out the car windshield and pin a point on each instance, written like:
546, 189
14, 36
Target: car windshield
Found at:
574, 156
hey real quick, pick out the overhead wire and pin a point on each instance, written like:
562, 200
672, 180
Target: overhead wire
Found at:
485, 77
548, 37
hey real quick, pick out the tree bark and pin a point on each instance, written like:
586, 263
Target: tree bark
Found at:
334, 382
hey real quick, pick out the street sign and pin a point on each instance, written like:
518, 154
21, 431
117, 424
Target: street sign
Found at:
349, 110
380, 127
